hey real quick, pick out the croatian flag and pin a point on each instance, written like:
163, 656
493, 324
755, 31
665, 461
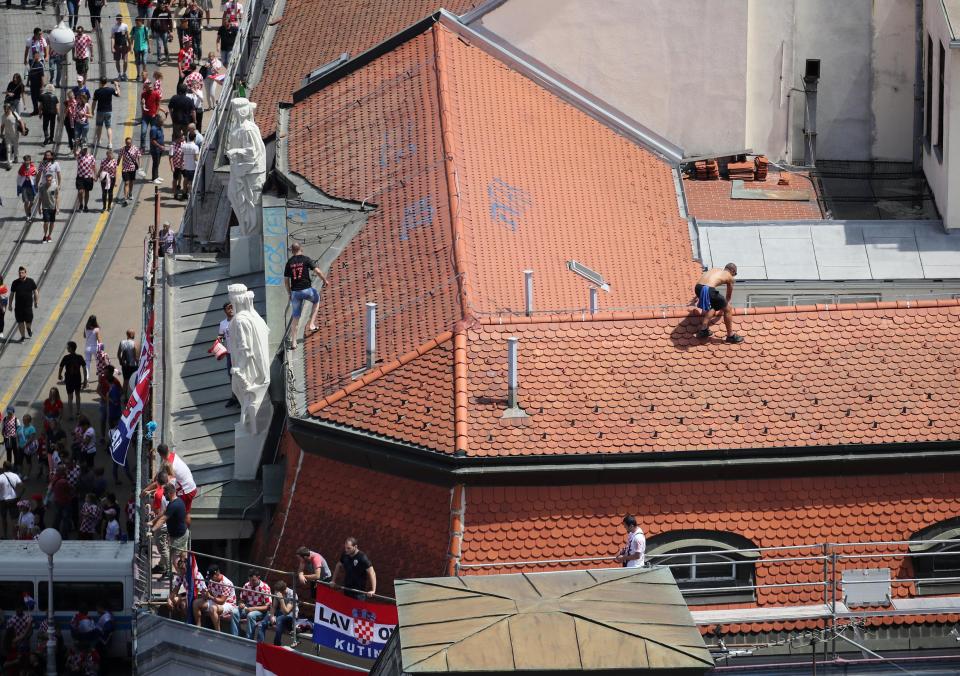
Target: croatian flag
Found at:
276, 661
357, 628
121, 435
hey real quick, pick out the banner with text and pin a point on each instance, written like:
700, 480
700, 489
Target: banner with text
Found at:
354, 627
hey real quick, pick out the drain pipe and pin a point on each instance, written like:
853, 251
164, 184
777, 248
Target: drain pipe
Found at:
918, 92
811, 78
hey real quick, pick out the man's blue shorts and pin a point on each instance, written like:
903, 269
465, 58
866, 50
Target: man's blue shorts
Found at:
297, 298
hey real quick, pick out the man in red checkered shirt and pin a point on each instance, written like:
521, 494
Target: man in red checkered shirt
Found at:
176, 164
255, 601
82, 52
129, 164
21, 625
86, 170
233, 12
221, 601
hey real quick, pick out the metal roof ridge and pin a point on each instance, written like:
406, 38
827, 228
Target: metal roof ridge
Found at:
379, 372
678, 313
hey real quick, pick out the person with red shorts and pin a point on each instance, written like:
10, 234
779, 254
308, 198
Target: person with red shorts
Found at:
186, 486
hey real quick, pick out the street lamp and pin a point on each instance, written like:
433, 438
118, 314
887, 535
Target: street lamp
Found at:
50, 541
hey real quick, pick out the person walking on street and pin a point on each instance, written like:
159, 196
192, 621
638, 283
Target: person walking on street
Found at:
36, 44
81, 120
27, 185
73, 373
95, 7
73, 13
194, 16
226, 38
49, 206
70, 107
128, 358
108, 180
49, 165
157, 146
191, 155
140, 39
631, 555
35, 75
92, 339
24, 298
130, 164
11, 126
176, 164
103, 104
82, 51
49, 109
4, 301
10, 424
11, 487
86, 170
712, 305
161, 27
149, 109
300, 288
14, 93
120, 42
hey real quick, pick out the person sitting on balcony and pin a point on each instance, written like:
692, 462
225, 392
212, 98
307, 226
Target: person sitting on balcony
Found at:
221, 601
255, 604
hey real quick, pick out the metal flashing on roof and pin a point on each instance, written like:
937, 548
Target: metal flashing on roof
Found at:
632, 619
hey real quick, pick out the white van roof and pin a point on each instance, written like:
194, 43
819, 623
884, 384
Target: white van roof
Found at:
89, 558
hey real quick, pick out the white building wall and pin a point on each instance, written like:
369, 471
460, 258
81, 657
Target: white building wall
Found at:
713, 77
675, 66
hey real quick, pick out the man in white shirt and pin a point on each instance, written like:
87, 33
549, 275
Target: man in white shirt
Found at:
10, 487
186, 487
632, 554
191, 154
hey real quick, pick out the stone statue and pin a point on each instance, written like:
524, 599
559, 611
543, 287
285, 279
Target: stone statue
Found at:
248, 166
250, 356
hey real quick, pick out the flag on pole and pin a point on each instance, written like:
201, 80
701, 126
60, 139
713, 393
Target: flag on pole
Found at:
277, 661
121, 435
194, 584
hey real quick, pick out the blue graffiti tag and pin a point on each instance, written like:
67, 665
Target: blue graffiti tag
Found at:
415, 215
397, 145
507, 203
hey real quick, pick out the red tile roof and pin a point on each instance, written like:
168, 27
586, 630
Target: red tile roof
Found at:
527, 523
710, 201
402, 525
312, 33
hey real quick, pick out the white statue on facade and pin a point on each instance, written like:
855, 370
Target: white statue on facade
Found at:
250, 356
248, 166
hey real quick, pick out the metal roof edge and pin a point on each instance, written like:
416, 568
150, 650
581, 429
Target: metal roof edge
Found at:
561, 87
480, 11
819, 222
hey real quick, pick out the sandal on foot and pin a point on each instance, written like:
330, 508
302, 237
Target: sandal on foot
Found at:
734, 338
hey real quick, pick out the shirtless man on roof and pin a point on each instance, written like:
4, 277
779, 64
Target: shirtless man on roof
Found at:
712, 304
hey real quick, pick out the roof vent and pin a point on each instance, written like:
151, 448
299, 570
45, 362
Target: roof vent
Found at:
591, 276
371, 337
314, 75
514, 415
594, 300
528, 292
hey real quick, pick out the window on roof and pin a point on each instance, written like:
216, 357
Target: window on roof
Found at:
935, 554
782, 299
709, 566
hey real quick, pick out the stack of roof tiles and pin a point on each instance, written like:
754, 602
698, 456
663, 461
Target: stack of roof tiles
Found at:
706, 170
760, 168
740, 171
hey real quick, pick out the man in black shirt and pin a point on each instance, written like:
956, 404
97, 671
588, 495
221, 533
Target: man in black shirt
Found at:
103, 105
175, 518
194, 16
226, 37
24, 296
182, 111
73, 373
297, 280
161, 25
355, 572
49, 107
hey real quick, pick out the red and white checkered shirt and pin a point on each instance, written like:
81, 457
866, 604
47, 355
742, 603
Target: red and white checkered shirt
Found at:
185, 58
131, 510
86, 166
73, 475
108, 167
81, 113
90, 514
199, 586
176, 154
130, 155
194, 81
158, 87
254, 596
81, 46
19, 623
223, 588
233, 10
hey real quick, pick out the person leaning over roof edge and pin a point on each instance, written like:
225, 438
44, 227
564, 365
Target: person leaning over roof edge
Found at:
712, 305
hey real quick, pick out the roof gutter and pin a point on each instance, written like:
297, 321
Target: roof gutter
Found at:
384, 454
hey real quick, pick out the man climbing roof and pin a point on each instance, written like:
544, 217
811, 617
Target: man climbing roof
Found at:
712, 305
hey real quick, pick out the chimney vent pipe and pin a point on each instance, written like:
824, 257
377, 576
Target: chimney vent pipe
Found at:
371, 337
512, 371
594, 300
528, 291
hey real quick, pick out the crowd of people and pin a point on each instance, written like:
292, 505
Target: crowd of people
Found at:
258, 607
25, 646
61, 448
